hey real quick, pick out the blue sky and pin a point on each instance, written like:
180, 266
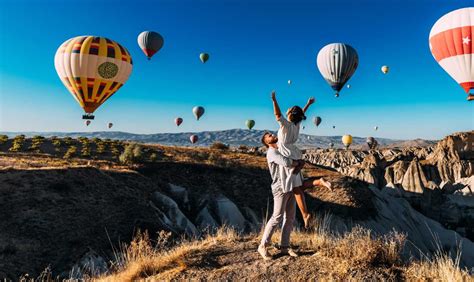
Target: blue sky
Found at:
254, 47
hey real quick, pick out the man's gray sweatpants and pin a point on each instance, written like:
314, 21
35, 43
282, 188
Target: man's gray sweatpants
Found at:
284, 206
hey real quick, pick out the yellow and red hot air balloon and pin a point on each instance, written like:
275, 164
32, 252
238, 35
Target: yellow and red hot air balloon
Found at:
92, 68
452, 45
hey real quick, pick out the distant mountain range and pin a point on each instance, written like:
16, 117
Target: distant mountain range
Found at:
233, 137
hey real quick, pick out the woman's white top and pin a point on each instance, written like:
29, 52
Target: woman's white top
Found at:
287, 136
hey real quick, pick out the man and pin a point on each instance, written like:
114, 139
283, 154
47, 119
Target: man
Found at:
283, 198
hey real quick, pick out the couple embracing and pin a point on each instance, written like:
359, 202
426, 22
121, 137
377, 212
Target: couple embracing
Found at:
285, 164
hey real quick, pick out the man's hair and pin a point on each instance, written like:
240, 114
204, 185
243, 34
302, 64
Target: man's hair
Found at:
263, 138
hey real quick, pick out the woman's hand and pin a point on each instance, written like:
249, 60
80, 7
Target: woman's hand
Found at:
311, 100
273, 95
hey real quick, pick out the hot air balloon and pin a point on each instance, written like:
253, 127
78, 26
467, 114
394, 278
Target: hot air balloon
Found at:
337, 62
178, 121
304, 127
348, 86
452, 45
193, 138
204, 57
289, 82
110, 125
198, 111
92, 68
150, 42
333, 127
347, 140
384, 69
331, 144
372, 143
376, 128
317, 121
87, 122
250, 123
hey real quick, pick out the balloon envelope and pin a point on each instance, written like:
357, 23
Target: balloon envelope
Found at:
384, 69
337, 62
110, 125
376, 127
88, 122
289, 82
178, 121
198, 111
92, 68
204, 57
317, 121
250, 123
193, 138
150, 42
347, 140
452, 45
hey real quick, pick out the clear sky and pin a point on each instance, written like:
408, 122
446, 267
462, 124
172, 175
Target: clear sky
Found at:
254, 46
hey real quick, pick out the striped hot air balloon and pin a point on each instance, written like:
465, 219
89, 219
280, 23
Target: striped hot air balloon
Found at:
452, 45
337, 62
92, 68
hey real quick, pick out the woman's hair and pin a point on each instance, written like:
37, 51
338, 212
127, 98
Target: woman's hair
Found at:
295, 114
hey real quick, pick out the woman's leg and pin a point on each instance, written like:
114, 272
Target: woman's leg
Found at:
301, 202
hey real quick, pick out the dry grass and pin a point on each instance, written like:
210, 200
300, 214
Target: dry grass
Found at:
226, 255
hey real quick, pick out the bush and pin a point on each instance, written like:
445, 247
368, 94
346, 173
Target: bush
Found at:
68, 141
17, 143
219, 146
36, 142
132, 154
70, 152
153, 157
3, 139
100, 147
243, 148
216, 160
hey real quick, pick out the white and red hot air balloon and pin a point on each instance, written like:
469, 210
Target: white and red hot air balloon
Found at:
178, 121
452, 45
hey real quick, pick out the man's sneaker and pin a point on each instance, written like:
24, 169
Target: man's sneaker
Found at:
289, 252
262, 250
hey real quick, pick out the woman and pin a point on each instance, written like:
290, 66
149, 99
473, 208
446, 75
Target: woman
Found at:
288, 134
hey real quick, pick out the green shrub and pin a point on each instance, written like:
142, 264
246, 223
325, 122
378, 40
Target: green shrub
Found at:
133, 153
3, 139
17, 143
219, 146
68, 141
70, 152
153, 157
100, 147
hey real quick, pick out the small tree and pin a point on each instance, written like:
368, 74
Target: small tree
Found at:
70, 152
153, 157
3, 139
17, 143
133, 153
219, 146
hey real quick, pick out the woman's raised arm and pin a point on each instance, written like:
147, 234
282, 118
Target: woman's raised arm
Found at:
276, 108
309, 103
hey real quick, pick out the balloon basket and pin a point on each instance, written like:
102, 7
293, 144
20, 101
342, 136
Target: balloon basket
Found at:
88, 116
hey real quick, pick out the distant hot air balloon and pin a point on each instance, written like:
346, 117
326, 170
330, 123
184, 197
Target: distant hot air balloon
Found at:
250, 123
348, 86
331, 144
150, 42
289, 82
87, 122
193, 138
452, 45
92, 68
333, 127
304, 127
204, 57
198, 111
110, 125
317, 121
384, 69
337, 62
371, 142
178, 121
347, 140
376, 128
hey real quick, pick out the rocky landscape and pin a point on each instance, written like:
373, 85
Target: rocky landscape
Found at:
70, 212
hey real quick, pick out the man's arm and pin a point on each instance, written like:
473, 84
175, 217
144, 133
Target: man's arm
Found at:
309, 103
275, 157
